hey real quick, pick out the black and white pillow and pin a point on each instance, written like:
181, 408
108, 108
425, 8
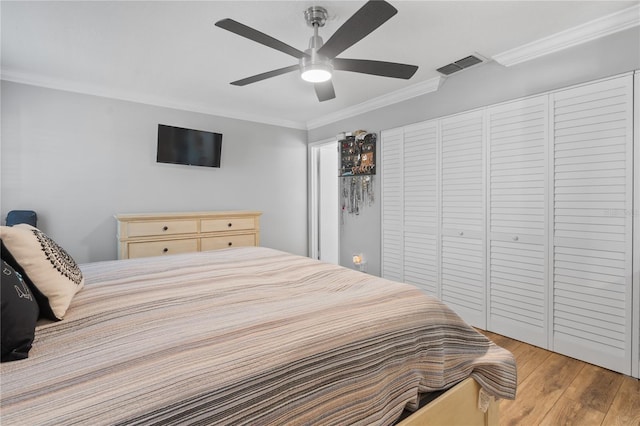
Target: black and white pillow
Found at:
52, 275
19, 311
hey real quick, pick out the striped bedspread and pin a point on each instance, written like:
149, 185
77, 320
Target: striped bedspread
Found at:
243, 336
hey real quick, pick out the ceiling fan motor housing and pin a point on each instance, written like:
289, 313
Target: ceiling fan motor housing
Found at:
313, 66
316, 16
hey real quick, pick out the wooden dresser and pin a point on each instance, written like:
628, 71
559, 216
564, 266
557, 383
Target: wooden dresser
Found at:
157, 234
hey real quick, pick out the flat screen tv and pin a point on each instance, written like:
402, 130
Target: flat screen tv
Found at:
177, 145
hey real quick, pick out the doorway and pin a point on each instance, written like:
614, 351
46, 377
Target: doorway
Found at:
324, 213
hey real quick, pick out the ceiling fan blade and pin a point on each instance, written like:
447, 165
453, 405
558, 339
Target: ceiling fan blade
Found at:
370, 16
385, 69
265, 75
257, 36
325, 91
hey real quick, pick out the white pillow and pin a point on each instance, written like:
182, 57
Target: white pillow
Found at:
45, 266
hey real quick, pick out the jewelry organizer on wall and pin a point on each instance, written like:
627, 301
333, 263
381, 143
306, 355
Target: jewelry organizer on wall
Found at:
357, 153
357, 170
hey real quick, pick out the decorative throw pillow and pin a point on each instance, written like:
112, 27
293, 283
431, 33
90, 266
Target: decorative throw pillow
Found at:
19, 311
53, 276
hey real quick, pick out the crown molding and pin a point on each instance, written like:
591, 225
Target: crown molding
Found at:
601, 27
408, 92
87, 89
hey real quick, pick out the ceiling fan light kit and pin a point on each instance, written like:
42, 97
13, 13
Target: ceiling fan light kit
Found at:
316, 73
318, 62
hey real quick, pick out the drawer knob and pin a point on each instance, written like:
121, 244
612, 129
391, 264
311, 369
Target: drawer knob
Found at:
515, 238
164, 250
461, 233
230, 224
165, 228
230, 243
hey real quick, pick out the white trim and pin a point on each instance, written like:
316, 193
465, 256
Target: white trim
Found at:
588, 31
89, 89
629, 219
379, 102
313, 151
635, 284
323, 142
409, 92
549, 228
439, 205
486, 202
312, 200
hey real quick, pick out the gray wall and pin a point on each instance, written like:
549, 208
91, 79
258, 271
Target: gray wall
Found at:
78, 160
485, 85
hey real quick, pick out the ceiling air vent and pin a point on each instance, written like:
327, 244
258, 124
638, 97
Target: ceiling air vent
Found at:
460, 64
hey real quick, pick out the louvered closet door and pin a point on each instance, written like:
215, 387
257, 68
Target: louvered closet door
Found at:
391, 158
462, 216
518, 143
420, 206
592, 213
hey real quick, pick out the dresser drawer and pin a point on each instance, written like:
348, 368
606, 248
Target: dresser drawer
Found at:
159, 248
230, 224
215, 243
157, 234
161, 227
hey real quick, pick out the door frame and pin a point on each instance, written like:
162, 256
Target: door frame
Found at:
313, 155
635, 212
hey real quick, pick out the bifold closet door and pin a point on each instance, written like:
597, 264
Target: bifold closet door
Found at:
463, 284
517, 250
391, 174
420, 229
593, 155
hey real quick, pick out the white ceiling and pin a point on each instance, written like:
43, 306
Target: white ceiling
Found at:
170, 53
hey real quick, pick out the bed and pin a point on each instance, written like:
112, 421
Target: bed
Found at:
249, 336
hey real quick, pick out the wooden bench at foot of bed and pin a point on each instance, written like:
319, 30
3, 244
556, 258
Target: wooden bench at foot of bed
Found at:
457, 406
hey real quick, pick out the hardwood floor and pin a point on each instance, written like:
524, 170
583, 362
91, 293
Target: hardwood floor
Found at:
557, 390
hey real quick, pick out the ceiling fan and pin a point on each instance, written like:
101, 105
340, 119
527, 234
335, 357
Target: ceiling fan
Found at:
318, 62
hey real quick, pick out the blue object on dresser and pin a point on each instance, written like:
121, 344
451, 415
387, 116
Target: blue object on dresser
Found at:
22, 216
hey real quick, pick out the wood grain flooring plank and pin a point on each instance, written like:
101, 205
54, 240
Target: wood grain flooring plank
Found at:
540, 391
568, 412
625, 409
595, 387
528, 359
